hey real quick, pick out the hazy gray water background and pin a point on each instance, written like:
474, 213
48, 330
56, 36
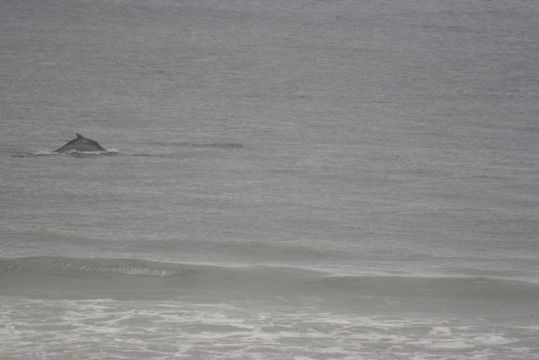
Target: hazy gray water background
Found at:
357, 138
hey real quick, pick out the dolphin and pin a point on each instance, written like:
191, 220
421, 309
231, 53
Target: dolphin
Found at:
80, 144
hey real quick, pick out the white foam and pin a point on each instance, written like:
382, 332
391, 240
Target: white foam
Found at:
75, 152
491, 340
440, 331
449, 345
43, 152
176, 329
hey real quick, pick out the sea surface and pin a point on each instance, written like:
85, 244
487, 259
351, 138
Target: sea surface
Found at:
299, 179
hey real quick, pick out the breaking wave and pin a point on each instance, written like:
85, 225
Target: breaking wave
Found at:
134, 276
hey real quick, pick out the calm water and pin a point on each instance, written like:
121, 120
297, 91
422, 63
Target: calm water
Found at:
285, 179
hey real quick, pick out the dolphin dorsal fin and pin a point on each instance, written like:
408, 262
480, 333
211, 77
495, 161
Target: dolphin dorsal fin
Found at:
79, 135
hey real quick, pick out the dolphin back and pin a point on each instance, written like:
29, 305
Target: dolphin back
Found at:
81, 144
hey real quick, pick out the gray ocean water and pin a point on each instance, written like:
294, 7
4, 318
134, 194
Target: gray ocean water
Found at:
300, 179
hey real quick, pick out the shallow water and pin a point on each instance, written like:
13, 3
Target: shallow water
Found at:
303, 180
133, 309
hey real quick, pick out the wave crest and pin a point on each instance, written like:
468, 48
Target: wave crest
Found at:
137, 277
70, 266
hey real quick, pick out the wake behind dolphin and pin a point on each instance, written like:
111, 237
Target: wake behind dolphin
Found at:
81, 144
